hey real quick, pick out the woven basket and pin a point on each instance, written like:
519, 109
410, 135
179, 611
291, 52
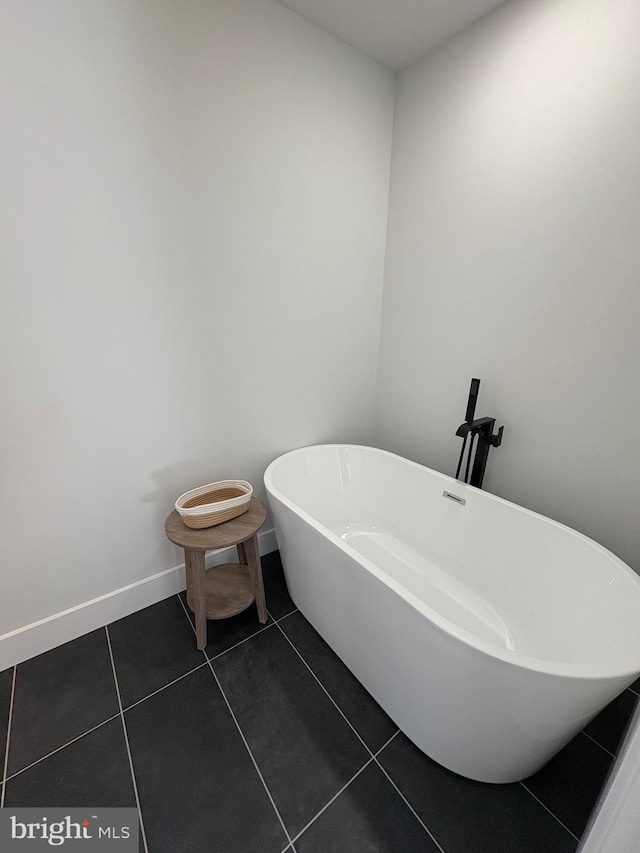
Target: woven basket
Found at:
209, 505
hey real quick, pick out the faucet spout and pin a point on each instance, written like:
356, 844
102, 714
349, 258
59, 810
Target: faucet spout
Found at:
479, 426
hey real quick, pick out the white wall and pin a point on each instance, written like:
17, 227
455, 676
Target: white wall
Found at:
194, 201
513, 256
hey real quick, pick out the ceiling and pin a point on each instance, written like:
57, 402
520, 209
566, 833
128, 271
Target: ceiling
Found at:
396, 32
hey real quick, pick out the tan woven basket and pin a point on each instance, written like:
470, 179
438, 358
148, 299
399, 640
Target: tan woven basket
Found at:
215, 503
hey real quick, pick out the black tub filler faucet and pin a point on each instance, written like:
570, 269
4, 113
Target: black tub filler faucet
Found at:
482, 430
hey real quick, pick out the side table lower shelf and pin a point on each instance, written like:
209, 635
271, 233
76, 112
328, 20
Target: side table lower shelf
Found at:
228, 590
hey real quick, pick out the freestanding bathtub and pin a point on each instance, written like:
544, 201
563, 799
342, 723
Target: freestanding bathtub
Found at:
491, 635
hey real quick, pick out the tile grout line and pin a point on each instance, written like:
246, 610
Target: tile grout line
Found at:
374, 757
327, 693
538, 800
549, 810
126, 740
371, 760
164, 687
386, 744
68, 743
597, 743
289, 846
207, 661
410, 807
255, 763
295, 610
108, 720
240, 642
334, 798
6, 746
244, 740
195, 634
193, 627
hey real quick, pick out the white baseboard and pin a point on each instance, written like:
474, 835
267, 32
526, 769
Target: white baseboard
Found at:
31, 640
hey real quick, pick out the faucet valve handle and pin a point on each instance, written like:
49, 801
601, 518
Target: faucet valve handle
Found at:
496, 440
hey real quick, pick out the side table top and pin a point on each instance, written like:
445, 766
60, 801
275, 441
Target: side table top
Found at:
222, 535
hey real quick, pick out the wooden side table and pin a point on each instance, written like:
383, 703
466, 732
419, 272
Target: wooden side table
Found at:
221, 591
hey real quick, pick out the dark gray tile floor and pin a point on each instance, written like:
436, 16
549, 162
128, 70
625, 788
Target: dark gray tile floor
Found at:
265, 743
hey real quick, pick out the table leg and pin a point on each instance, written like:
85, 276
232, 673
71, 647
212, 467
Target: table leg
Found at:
188, 571
199, 596
250, 547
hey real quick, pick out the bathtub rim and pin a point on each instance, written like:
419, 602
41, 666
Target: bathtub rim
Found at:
543, 666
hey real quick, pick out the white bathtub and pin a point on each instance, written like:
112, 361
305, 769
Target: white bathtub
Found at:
490, 634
